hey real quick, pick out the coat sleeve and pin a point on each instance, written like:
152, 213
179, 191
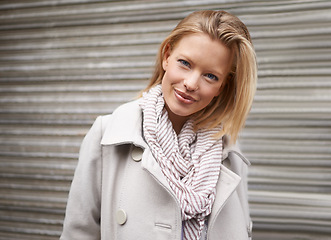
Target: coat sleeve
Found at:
82, 219
239, 165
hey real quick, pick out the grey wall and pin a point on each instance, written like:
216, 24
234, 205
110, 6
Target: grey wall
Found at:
62, 63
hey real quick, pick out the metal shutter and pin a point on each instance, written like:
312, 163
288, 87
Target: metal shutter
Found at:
62, 63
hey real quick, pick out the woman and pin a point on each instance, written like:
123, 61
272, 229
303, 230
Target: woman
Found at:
165, 166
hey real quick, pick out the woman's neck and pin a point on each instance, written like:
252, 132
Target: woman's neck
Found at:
176, 120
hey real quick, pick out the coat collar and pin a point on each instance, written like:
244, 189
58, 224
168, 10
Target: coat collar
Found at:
126, 128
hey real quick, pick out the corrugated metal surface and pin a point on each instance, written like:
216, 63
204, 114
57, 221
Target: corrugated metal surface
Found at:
62, 63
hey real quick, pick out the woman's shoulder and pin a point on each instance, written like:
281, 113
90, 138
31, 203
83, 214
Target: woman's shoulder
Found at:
233, 152
124, 112
234, 159
126, 108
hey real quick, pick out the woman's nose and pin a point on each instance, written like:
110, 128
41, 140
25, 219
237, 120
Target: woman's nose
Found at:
191, 82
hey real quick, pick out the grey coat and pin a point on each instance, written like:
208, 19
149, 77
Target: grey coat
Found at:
119, 191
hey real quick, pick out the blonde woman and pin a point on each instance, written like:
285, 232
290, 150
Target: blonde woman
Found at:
166, 166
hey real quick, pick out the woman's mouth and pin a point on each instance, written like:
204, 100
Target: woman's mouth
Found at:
183, 97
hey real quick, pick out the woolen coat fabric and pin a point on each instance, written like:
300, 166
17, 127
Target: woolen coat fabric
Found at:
119, 192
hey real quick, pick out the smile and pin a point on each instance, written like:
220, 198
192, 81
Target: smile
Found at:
182, 97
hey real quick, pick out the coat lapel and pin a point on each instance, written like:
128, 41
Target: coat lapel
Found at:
126, 128
227, 183
149, 163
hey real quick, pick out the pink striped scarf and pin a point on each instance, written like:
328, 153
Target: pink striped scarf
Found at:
190, 161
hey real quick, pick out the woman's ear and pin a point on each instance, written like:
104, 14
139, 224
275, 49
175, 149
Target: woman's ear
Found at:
166, 57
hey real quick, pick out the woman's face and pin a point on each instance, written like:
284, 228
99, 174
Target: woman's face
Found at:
194, 73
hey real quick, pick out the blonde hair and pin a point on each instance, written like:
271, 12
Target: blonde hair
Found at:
232, 106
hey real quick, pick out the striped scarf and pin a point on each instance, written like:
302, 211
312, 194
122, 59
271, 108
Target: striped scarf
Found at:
190, 161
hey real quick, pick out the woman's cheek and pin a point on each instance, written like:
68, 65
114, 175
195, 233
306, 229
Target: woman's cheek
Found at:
176, 75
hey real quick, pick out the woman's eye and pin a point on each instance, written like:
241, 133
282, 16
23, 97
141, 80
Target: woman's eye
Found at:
184, 62
211, 76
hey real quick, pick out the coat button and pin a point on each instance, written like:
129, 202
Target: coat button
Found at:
121, 217
137, 153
